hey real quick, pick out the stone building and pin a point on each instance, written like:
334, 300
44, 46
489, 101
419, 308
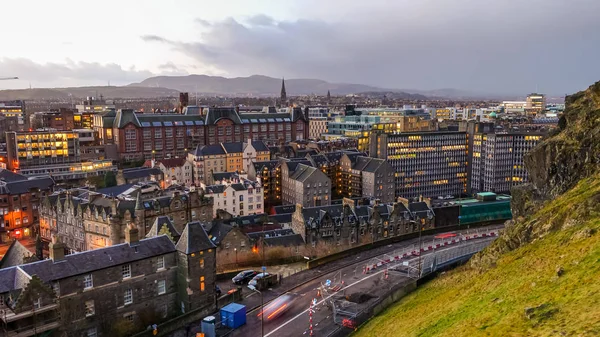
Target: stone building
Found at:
112, 291
349, 223
176, 171
85, 220
305, 185
367, 177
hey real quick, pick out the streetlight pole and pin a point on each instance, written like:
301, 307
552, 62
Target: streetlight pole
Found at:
236, 260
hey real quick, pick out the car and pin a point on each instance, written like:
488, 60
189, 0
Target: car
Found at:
244, 277
277, 307
257, 278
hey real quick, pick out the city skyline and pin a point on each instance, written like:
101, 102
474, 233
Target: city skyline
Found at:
496, 48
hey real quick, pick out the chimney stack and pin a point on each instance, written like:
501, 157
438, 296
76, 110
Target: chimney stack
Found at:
132, 235
57, 250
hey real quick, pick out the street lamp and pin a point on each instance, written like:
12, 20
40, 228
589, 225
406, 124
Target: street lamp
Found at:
262, 314
236, 260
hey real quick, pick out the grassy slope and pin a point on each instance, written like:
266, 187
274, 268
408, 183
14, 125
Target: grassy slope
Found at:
465, 302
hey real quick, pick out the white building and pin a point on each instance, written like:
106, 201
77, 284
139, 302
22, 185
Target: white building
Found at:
238, 198
176, 171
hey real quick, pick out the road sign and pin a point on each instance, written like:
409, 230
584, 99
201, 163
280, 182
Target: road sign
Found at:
405, 263
328, 283
264, 268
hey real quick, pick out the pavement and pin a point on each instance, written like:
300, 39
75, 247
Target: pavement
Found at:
304, 285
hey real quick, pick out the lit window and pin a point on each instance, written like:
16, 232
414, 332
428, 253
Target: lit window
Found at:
128, 297
126, 271
162, 287
89, 308
201, 263
88, 282
201, 283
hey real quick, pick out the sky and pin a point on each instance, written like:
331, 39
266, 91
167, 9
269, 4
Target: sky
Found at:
487, 46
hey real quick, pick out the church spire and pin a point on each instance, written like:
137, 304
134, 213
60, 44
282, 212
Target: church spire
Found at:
283, 97
328, 97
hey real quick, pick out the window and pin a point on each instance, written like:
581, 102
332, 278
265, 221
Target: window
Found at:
25, 219
164, 311
89, 308
92, 332
169, 145
130, 134
180, 143
201, 283
148, 146
130, 146
162, 287
158, 144
201, 263
37, 303
56, 288
128, 316
168, 132
179, 132
126, 271
128, 297
147, 134
88, 282
271, 127
160, 263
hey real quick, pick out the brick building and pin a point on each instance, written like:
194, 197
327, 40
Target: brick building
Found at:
19, 200
147, 136
113, 291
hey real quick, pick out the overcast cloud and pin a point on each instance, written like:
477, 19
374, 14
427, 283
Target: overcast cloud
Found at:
492, 46
505, 46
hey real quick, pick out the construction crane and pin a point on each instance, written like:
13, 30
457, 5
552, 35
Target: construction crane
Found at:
8, 78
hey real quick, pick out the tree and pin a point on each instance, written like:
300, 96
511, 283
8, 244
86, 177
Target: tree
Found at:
165, 230
96, 181
110, 179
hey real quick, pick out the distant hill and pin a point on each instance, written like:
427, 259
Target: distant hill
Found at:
257, 85
82, 92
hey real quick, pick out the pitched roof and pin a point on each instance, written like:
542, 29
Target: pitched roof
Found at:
284, 209
115, 190
373, 165
15, 255
215, 189
291, 240
303, 172
126, 116
194, 239
93, 260
218, 176
281, 218
218, 231
8, 176
24, 186
141, 172
158, 224
270, 165
260, 146
173, 162
235, 147
238, 187
217, 113
209, 150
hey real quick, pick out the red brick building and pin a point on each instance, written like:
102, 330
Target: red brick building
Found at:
146, 136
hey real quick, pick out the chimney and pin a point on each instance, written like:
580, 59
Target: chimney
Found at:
113, 206
57, 250
132, 236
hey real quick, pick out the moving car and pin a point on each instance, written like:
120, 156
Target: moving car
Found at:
244, 277
257, 278
277, 307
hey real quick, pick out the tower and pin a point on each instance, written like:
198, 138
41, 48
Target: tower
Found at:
140, 220
283, 97
328, 97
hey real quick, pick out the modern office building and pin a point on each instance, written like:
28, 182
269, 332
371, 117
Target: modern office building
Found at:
536, 103
14, 109
497, 160
428, 164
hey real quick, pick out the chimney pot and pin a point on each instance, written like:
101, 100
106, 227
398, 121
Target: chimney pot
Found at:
132, 236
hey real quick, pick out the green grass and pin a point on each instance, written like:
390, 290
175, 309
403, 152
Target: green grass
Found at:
468, 302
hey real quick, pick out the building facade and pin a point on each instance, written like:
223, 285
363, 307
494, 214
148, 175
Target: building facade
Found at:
305, 185
497, 164
113, 291
56, 154
85, 220
176, 171
368, 177
243, 197
428, 164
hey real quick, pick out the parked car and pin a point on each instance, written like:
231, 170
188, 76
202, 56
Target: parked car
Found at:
244, 277
257, 278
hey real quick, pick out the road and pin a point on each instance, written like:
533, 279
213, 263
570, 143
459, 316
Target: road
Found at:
295, 321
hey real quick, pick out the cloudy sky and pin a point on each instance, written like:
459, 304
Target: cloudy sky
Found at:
494, 46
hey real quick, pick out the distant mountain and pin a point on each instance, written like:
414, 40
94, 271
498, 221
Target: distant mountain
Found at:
82, 92
256, 85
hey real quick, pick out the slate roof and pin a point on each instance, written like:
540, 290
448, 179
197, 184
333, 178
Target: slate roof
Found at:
238, 187
217, 189
235, 147
260, 146
9, 176
418, 207
194, 239
281, 218
270, 233
270, 165
284, 209
353, 155
126, 116
318, 160
24, 186
115, 190
15, 255
373, 165
360, 163
94, 260
218, 231
158, 224
291, 240
217, 113
303, 172
209, 150
141, 172
7, 279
